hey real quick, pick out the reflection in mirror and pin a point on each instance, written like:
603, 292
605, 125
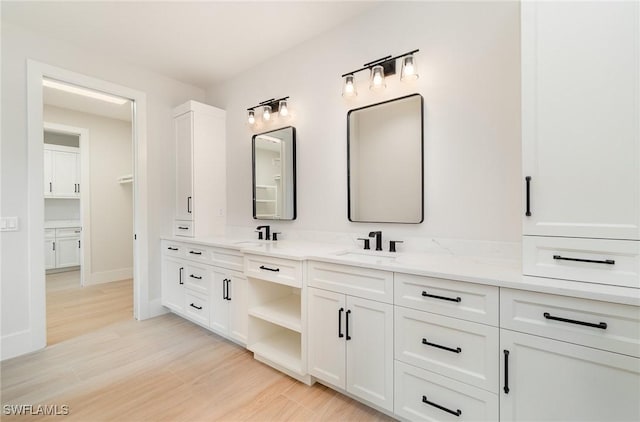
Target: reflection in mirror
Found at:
274, 175
386, 162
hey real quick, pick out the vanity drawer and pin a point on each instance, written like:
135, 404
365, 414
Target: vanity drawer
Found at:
458, 299
228, 258
68, 232
602, 325
424, 396
170, 248
277, 270
355, 281
196, 307
183, 228
603, 261
197, 253
50, 234
461, 350
198, 278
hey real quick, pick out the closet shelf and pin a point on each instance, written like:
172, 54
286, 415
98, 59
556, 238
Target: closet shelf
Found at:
284, 312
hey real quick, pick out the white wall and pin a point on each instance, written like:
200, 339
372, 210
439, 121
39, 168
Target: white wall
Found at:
162, 95
469, 65
111, 204
61, 209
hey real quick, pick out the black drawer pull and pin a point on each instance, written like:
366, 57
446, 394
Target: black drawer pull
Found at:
593, 261
457, 412
601, 325
195, 253
456, 350
172, 249
506, 371
452, 299
197, 307
340, 311
528, 180
262, 267
196, 277
183, 227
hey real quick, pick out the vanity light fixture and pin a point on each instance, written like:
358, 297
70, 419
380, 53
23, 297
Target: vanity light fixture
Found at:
268, 107
379, 69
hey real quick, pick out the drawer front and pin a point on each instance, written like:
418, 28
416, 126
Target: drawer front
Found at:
461, 350
198, 278
68, 232
602, 325
198, 253
50, 234
277, 270
196, 307
228, 258
424, 396
355, 281
472, 302
170, 248
602, 261
183, 228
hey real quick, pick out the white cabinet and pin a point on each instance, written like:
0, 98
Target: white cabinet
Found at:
61, 172
173, 296
351, 345
200, 201
49, 254
228, 299
544, 380
62, 247
580, 119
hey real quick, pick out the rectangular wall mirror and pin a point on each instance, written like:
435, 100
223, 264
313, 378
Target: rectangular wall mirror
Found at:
274, 174
385, 152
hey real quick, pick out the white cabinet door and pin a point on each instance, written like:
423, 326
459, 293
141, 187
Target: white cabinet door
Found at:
369, 338
580, 118
238, 311
552, 380
65, 174
48, 173
326, 325
49, 254
184, 166
67, 252
173, 295
219, 310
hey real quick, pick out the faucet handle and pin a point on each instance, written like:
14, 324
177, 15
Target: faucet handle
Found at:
367, 242
274, 236
259, 234
392, 245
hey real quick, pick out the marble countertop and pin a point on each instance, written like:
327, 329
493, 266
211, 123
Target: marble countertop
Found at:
475, 269
60, 224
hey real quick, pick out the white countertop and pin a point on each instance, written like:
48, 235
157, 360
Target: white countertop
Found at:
60, 224
481, 270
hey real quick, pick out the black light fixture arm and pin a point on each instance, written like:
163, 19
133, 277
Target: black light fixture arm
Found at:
274, 103
380, 61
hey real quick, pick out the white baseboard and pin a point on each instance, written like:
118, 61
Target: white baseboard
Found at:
16, 344
109, 276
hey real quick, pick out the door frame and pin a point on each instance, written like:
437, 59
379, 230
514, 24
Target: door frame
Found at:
36, 71
85, 197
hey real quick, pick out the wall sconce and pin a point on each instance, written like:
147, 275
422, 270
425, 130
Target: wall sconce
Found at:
379, 69
268, 107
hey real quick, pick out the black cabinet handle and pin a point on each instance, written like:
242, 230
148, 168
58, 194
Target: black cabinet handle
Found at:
593, 261
347, 324
183, 227
180, 275
506, 371
228, 290
78, 244
197, 307
601, 325
54, 246
528, 181
262, 267
457, 412
195, 253
224, 289
189, 204
50, 187
340, 311
451, 299
78, 187
456, 350
172, 249
197, 277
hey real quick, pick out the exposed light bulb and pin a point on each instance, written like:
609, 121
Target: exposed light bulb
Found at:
266, 113
252, 117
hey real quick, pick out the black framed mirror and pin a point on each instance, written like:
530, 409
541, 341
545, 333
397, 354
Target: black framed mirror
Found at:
385, 162
274, 174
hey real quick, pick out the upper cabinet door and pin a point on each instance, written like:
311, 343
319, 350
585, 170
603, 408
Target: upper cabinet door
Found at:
65, 171
581, 119
184, 166
48, 173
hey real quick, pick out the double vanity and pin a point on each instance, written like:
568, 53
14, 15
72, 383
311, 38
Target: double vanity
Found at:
418, 336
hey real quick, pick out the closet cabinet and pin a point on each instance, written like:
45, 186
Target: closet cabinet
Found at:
173, 296
200, 197
228, 300
61, 171
62, 247
580, 119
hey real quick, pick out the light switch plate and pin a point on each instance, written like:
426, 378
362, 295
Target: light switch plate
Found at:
9, 224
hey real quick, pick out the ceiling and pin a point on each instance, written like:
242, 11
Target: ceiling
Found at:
63, 99
200, 43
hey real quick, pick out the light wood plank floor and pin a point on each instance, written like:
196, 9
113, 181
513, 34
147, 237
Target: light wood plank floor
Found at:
73, 310
165, 369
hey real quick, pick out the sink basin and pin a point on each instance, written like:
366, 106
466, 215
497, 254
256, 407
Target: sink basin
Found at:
248, 243
366, 257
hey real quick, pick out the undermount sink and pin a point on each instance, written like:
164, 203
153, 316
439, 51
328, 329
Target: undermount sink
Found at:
248, 243
367, 257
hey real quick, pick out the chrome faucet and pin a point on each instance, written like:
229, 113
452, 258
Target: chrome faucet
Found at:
378, 236
267, 232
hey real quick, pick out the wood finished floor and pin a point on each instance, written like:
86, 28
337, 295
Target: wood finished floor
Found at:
164, 369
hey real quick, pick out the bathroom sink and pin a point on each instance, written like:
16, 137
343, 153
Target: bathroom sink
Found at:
248, 243
366, 257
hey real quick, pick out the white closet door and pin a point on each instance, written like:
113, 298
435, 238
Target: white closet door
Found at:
184, 166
